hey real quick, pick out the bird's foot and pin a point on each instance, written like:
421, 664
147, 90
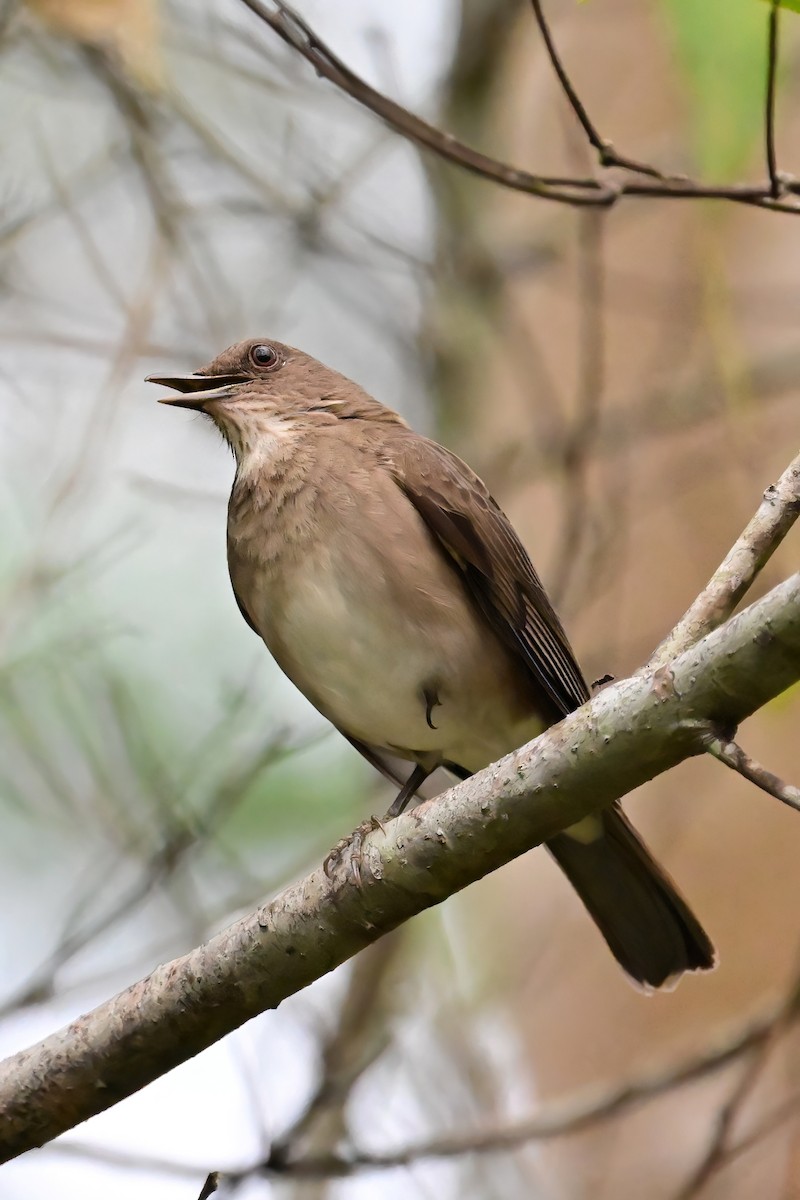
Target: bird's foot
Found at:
349, 848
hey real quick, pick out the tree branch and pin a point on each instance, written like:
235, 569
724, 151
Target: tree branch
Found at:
624, 736
775, 181
733, 756
210, 1186
778, 511
606, 153
719, 1147
351, 1047
298, 34
559, 1119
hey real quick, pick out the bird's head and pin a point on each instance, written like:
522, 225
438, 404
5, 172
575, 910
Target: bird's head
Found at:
260, 388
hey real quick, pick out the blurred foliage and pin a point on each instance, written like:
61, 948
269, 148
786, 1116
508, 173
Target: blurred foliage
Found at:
721, 48
126, 29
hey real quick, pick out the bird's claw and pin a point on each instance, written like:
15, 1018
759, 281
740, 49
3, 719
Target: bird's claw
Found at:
352, 844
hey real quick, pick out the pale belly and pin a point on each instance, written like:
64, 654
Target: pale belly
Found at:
391, 664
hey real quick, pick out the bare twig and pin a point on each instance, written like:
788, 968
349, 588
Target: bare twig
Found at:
775, 181
184, 835
74, 480
299, 35
572, 1116
210, 1186
778, 511
591, 379
358, 1038
607, 155
775, 1120
733, 756
723, 1124
561, 1120
625, 735
719, 1148
660, 414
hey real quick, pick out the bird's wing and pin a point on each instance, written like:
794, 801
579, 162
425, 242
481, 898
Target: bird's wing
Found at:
241, 607
481, 543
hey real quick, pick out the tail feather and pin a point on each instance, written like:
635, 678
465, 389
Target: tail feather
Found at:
649, 928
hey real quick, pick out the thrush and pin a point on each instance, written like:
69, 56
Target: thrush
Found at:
394, 592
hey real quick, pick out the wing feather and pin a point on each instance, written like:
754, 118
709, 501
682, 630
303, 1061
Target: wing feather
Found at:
480, 541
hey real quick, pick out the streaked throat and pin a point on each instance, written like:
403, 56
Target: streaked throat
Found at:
257, 439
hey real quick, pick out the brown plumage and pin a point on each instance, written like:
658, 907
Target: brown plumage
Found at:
394, 592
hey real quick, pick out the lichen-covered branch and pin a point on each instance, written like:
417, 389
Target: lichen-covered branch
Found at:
624, 736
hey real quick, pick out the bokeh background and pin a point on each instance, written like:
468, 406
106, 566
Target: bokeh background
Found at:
175, 180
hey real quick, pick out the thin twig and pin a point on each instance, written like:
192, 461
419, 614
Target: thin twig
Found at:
662, 413
719, 1148
184, 836
779, 1116
778, 511
607, 155
591, 381
359, 1037
298, 34
561, 1120
775, 181
723, 1125
210, 1186
732, 755
573, 1116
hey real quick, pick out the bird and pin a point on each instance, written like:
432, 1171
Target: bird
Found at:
391, 588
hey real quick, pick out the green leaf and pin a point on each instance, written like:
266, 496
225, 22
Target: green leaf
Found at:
721, 49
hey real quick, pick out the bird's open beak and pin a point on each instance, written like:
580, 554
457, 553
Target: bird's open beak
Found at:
197, 390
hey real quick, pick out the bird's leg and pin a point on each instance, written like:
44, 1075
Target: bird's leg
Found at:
411, 785
355, 840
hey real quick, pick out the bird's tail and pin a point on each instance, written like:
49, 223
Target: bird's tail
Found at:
650, 929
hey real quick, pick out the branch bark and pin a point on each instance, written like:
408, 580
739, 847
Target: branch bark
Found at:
624, 736
779, 509
733, 756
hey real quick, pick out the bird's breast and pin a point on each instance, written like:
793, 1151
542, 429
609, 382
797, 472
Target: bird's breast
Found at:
374, 626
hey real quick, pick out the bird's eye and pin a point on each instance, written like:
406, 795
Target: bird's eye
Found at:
264, 356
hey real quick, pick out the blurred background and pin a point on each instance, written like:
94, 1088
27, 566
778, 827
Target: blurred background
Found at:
175, 180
